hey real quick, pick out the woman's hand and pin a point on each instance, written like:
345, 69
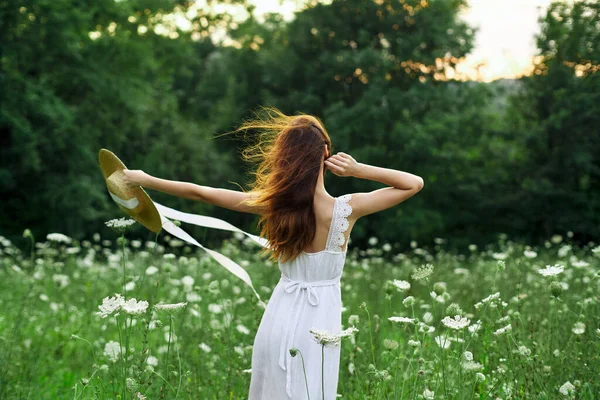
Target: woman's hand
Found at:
134, 177
342, 164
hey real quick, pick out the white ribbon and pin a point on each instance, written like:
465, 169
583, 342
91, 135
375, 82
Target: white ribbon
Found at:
200, 220
129, 204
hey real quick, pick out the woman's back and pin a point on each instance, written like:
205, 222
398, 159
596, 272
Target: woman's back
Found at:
307, 296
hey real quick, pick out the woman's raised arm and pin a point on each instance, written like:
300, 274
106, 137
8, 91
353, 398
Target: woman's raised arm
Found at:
403, 185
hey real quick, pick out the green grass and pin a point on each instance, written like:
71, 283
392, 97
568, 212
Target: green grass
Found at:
52, 341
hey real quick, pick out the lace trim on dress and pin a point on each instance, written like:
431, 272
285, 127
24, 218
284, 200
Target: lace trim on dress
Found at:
339, 223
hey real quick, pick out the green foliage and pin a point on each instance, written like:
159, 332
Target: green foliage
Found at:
519, 157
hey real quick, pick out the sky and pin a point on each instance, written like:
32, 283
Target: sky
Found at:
505, 41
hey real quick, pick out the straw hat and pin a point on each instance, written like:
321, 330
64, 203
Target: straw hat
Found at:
133, 200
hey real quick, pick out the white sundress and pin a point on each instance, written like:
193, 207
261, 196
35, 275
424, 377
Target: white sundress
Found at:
308, 295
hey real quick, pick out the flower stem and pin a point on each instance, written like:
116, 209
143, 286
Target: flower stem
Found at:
304, 370
323, 370
123, 264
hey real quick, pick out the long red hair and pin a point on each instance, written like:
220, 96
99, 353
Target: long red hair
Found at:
289, 152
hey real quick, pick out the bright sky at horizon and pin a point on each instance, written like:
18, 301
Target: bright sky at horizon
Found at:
505, 40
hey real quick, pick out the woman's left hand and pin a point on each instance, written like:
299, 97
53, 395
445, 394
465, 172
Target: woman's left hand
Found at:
134, 177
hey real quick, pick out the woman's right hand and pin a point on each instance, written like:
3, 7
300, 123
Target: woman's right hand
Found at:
342, 164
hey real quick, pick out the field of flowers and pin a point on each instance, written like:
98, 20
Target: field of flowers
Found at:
118, 318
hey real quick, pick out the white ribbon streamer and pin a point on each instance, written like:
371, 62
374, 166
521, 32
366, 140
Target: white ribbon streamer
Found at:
128, 204
200, 220
208, 222
230, 265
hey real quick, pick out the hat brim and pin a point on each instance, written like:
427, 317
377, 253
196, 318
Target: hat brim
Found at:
145, 212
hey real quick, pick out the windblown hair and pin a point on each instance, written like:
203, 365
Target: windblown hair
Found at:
289, 152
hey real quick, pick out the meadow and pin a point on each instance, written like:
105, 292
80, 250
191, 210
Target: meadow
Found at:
508, 321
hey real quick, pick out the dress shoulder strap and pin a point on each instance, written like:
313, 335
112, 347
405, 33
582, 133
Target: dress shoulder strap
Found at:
339, 223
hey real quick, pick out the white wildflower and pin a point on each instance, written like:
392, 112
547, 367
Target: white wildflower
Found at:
242, 329
215, 308
503, 330
580, 264
427, 317
151, 270
120, 225
471, 366
187, 280
428, 394
458, 322
134, 307
408, 301
423, 272
170, 308
530, 254
112, 350
329, 339
578, 328
402, 319
59, 238
110, 305
567, 389
552, 270
442, 341
152, 361
401, 285
390, 344
524, 351
204, 347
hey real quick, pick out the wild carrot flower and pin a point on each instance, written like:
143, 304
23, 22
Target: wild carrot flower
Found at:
112, 350
408, 301
204, 347
390, 344
503, 330
120, 225
457, 322
151, 270
405, 320
401, 285
170, 308
423, 272
329, 339
552, 270
530, 254
58, 237
110, 305
578, 328
134, 307
442, 341
567, 389
470, 365
428, 394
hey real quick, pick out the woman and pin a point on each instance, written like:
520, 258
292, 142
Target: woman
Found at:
308, 231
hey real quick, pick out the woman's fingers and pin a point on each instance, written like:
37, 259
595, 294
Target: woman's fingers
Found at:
337, 161
333, 167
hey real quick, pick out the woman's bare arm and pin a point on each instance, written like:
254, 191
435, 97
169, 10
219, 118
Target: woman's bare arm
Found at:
230, 199
402, 185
